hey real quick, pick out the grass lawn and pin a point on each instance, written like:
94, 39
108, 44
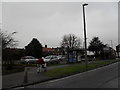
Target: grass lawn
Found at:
76, 68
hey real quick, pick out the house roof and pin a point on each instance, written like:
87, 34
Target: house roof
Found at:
47, 49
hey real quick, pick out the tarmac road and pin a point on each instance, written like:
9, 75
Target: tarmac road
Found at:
104, 77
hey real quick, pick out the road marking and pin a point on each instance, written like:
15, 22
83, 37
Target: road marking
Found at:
19, 88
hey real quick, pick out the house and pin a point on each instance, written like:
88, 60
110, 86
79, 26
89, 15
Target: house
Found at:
44, 49
108, 53
48, 51
59, 51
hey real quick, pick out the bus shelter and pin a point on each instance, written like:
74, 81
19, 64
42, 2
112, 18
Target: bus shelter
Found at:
74, 55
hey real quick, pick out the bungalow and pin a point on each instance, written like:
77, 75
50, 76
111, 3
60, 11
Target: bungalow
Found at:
48, 51
108, 53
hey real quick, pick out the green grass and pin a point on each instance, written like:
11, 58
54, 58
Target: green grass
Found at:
76, 68
64, 70
54, 64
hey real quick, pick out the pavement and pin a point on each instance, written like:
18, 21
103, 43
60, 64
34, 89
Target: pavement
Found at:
17, 79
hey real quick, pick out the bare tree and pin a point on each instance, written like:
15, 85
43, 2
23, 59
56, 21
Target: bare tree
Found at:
7, 40
71, 41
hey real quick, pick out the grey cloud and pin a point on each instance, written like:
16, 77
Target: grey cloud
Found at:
50, 21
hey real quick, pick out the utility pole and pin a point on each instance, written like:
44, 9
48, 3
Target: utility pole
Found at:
86, 60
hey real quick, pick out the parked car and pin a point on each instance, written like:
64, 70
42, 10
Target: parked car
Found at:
51, 59
90, 58
82, 58
28, 60
61, 57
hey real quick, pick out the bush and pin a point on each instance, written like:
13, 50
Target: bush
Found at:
8, 69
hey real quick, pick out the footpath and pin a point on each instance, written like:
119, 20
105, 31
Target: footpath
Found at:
17, 79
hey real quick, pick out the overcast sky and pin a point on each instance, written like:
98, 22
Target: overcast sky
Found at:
50, 21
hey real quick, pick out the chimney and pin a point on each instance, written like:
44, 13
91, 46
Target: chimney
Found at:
45, 46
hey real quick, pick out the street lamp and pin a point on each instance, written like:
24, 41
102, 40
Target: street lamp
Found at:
86, 60
67, 49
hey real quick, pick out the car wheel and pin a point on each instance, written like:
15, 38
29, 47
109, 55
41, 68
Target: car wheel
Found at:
60, 59
28, 62
58, 62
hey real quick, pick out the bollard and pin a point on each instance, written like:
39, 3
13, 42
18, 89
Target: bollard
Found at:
26, 75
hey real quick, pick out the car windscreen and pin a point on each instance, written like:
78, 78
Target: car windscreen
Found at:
28, 57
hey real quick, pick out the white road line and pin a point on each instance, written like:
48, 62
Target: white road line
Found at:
19, 88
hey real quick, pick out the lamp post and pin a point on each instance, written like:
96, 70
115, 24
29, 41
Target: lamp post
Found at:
67, 50
86, 60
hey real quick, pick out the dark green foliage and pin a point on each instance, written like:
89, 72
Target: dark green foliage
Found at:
8, 69
96, 46
6, 43
10, 57
13, 53
34, 48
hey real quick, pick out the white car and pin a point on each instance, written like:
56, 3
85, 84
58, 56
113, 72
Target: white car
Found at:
29, 60
51, 59
61, 57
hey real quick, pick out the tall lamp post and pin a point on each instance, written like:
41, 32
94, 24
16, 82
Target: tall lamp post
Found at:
86, 60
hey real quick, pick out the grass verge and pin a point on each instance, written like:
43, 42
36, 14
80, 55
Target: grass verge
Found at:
76, 68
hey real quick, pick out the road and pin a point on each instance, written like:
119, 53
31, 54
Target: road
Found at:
104, 77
